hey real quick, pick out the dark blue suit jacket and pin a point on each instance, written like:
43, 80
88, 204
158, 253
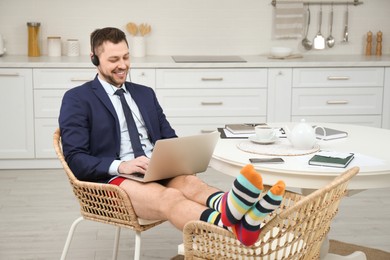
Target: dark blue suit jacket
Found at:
90, 127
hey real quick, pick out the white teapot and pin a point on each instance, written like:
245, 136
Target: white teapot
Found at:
303, 135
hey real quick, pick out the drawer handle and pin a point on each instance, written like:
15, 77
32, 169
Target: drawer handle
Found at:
220, 103
212, 79
204, 131
80, 79
338, 78
337, 102
9, 74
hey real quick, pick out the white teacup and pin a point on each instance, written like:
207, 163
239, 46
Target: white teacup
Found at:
265, 132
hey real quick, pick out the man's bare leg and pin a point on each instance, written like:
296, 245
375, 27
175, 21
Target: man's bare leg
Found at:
192, 188
154, 201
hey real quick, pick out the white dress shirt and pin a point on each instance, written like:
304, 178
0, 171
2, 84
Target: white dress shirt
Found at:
126, 151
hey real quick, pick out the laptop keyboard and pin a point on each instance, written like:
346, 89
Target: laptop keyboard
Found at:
138, 175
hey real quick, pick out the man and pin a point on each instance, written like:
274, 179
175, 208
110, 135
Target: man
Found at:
98, 145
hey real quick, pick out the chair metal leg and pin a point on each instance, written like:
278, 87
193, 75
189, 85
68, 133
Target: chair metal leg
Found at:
116, 243
70, 236
137, 248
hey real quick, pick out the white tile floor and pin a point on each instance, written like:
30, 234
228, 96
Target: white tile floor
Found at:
37, 208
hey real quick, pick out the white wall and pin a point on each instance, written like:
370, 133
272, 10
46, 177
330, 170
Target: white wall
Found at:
219, 27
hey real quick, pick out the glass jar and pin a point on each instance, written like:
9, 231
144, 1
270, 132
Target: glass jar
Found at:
33, 39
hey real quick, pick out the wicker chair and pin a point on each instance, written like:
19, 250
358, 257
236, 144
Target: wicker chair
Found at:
103, 203
296, 231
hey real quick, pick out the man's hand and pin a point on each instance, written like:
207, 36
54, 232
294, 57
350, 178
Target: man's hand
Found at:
139, 164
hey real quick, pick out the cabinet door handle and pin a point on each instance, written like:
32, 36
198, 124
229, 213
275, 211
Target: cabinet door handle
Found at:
212, 79
218, 103
338, 78
205, 131
80, 79
15, 74
337, 102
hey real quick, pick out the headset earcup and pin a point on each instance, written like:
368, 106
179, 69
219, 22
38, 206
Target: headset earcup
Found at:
95, 60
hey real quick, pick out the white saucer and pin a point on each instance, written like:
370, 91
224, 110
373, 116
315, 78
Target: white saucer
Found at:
254, 139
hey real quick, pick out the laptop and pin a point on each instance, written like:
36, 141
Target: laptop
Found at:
178, 156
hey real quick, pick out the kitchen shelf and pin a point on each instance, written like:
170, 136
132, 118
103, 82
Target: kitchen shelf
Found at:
323, 2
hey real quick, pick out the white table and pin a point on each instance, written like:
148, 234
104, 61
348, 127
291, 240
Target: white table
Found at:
369, 144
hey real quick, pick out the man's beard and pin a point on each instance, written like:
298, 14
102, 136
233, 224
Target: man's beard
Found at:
111, 79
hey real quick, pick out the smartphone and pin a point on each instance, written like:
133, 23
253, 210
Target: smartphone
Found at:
266, 160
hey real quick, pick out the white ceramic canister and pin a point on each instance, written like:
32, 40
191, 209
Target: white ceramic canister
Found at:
54, 46
138, 48
73, 47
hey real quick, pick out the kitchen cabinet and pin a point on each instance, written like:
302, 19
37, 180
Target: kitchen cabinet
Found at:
386, 100
197, 98
201, 100
49, 88
279, 95
349, 95
16, 114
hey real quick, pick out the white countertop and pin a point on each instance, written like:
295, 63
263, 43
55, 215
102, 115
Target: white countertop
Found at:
253, 61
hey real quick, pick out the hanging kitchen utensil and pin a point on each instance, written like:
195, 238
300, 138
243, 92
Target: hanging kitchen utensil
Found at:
330, 40
319, 40
346, 34
306, 42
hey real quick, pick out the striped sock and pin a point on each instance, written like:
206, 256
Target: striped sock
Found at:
213, 217
243, 195
248, 229
214, 201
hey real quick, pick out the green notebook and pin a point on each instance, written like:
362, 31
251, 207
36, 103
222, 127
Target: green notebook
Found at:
320, 160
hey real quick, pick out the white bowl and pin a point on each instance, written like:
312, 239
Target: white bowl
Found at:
280, 52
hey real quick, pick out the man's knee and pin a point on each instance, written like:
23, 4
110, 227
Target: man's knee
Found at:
171, 195
194, 186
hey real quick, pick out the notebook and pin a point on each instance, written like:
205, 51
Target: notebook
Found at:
330, 159
330, 133
242, 128
178, 156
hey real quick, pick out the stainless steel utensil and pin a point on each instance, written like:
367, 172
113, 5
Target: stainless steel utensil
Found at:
319, 40
330, 40
345, 39
306, 42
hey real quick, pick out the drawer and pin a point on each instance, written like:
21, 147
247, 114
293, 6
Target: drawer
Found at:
213, 102
44, 130
211, 78
338, 77
145, 77
348, 101
374, 121
47, 102
61, 78
198, 125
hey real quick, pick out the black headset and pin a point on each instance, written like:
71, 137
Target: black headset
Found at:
94, 57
